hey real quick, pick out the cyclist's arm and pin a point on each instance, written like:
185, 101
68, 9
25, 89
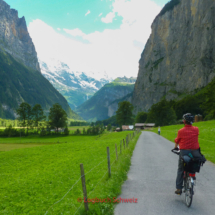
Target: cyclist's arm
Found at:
177, 140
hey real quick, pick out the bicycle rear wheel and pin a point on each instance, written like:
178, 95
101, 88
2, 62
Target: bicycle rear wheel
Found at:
188, 192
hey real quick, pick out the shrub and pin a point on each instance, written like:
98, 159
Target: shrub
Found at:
89, 131
66, 131
109, 127
77, 131
43, 132
10, 132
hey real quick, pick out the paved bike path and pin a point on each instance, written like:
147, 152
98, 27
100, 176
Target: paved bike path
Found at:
151, 179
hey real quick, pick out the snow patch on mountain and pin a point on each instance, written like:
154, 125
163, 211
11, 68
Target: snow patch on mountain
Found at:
76, 86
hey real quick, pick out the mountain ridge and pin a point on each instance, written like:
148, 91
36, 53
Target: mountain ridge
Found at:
76, 87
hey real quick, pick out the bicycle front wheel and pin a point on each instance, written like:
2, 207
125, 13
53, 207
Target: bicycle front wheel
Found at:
188, 192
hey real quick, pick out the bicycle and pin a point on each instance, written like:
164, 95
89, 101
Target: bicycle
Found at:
189, 179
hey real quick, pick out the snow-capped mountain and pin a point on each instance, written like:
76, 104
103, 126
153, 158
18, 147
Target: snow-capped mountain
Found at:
76, 87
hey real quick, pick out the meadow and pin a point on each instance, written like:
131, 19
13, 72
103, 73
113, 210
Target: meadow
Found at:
206, 136
35, 140
46, 179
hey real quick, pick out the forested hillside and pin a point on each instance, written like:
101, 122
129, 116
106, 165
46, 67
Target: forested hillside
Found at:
19, 83
96, 108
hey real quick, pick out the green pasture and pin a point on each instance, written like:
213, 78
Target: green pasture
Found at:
46, 179
206, 136
74, 128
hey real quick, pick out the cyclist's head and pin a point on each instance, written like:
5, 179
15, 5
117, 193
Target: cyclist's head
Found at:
188, 118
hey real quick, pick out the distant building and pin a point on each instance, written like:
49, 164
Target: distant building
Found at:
118, 129
127, 127
144, 125
140, 125
60, 130
149, 125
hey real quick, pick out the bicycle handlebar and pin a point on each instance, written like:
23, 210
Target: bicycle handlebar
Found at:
176, 151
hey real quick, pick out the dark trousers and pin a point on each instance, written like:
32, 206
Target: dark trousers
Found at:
180, 173
159, 132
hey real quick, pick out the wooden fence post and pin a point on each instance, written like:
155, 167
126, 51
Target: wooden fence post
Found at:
124, 143
120, 146
108, 159
116, 152
84, 187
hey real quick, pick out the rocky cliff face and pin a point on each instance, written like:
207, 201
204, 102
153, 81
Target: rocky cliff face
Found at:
113, 107
179, 57
14, 37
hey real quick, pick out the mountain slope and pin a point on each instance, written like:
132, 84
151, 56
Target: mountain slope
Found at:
76, 87
179, 57
20, 76
96, 108
19, 83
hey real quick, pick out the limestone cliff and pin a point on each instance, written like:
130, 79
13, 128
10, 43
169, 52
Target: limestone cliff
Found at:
179, 57
14, 37
113, 106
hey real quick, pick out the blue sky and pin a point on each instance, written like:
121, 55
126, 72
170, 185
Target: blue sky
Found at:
90, 35
69, 14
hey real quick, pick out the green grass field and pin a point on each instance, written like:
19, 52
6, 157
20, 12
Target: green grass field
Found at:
39, 180
206, 136
74, 128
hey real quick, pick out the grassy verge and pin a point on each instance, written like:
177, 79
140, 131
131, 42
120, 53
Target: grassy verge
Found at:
206, 136
35, 180
111, 187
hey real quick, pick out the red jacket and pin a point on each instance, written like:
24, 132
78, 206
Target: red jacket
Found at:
188, 137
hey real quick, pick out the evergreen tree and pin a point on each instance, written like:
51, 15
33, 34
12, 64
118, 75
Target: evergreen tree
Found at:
57, 116
161, 114
141, 117
209, 103
37, 115
25, 115
124, 114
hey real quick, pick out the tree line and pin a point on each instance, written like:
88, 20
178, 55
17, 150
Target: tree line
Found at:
31, 118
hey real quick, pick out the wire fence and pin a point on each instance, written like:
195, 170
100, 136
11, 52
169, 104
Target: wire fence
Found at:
123, 144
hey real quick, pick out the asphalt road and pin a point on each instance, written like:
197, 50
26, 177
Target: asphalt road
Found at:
151, 179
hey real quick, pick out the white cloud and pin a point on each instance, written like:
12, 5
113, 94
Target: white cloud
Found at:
75, 32
88, 12
115, 51
109, 17
58, 29
100, 14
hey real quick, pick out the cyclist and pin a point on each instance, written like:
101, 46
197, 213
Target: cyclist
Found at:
187, 139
